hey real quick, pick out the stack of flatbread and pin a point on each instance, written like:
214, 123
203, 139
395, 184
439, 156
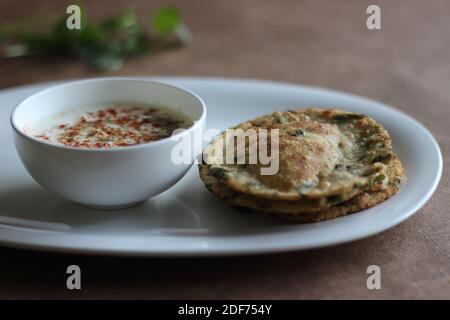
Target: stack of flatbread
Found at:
329, 163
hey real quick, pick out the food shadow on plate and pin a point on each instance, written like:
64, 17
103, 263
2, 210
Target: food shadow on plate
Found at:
187, 212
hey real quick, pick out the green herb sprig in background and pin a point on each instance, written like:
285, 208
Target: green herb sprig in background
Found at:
105, 46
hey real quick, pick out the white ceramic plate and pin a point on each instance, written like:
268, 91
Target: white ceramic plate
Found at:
187, 220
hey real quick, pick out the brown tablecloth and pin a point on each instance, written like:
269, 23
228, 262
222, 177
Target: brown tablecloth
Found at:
324, 43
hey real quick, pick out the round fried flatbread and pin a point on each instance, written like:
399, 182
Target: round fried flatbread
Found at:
325, 156
310, 210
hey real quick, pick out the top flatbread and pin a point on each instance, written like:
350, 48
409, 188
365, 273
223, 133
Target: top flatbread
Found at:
322, 153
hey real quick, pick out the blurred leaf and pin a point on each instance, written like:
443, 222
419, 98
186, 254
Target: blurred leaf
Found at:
166, 20
104, 46
126, 20
106, 62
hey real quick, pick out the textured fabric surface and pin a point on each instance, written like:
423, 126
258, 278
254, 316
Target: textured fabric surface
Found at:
324, 43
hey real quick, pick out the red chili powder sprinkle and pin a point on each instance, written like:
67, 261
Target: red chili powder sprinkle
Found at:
119, 127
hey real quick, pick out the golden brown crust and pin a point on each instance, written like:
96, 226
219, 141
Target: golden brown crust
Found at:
313, 164
360, 202
308, 212
231, 196
377, 171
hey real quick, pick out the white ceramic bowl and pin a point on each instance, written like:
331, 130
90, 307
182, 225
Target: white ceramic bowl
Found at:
105, 178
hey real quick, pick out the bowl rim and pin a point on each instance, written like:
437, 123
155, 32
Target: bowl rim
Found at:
196, 124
